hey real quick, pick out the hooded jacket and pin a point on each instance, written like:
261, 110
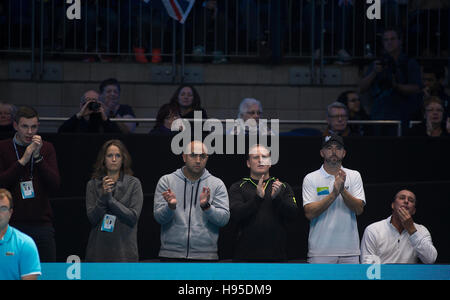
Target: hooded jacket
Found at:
188, 231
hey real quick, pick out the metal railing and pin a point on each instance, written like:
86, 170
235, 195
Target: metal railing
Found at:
397, 123
255, 30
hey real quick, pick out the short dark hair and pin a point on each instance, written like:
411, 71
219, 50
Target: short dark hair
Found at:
26, 112
405, 189
247, 156
4, 193
109, 81
164, 111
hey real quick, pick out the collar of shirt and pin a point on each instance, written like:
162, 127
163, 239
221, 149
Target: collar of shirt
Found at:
392, 227
325, 173
17, 142
7, 236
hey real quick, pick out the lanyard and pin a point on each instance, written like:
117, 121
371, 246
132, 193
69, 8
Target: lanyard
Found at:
32, 160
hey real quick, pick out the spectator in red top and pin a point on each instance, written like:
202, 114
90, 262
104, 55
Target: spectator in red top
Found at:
28, 168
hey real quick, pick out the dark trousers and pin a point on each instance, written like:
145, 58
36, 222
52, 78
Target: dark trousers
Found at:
44, 237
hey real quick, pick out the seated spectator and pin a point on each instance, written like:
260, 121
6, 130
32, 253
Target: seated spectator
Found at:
167, 114
248, 119
7, 112
398, 239
110, 96
90, 119
355, 111
187, 100
433, 80
433, 124
337, 117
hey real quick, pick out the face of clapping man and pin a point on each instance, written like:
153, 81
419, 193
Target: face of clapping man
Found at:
333, 153
26, 129
195, 158
258, 161
404, 201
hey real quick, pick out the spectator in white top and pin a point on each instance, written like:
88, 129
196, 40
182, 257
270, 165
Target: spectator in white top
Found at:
398, 239
332, 198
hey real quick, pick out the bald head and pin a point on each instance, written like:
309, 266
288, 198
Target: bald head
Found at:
195, 147
90, 95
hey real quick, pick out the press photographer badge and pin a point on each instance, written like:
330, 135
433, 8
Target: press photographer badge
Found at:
108, 223
26, 187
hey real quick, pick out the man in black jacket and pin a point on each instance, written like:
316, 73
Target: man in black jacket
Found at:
91, 118
260, 208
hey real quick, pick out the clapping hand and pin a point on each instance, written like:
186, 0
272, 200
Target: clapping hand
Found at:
276, 188
169, 196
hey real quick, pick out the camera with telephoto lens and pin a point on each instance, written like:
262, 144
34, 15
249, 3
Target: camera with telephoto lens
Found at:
94, 106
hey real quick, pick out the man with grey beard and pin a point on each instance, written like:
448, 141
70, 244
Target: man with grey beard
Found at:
332, 198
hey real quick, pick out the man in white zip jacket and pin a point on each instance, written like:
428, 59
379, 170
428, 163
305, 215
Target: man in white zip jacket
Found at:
398, 239
191, 205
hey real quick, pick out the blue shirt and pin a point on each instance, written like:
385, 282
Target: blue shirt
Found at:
18, 256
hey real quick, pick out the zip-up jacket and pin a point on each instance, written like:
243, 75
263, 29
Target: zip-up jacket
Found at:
188, 231
260, 224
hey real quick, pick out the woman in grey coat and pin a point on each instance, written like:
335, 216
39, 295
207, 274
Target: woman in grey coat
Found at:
114, 201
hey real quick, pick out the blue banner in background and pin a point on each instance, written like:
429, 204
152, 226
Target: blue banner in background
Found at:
240, 271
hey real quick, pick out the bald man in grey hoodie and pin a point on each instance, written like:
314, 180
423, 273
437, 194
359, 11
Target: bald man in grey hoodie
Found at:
191, 205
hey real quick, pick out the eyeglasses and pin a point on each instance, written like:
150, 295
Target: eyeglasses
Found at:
254, 112
353, 100
4, 208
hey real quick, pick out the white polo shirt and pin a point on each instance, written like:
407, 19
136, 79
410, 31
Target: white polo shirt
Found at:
335, 231
383, 240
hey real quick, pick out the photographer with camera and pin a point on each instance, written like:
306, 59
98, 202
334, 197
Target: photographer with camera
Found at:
393, 83
90, 119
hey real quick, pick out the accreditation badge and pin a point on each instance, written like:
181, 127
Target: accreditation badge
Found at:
27, 190
108, 223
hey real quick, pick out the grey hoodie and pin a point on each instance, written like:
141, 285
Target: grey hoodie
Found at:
188, 231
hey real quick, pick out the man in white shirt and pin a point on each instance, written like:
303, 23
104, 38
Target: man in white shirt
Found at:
332, 198
398, 239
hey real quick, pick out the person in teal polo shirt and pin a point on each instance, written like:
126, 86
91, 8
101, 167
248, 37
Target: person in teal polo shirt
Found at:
19, 258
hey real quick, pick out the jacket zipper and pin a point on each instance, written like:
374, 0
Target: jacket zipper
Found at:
189, 224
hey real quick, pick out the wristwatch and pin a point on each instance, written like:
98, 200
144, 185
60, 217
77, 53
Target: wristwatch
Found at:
206, 206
